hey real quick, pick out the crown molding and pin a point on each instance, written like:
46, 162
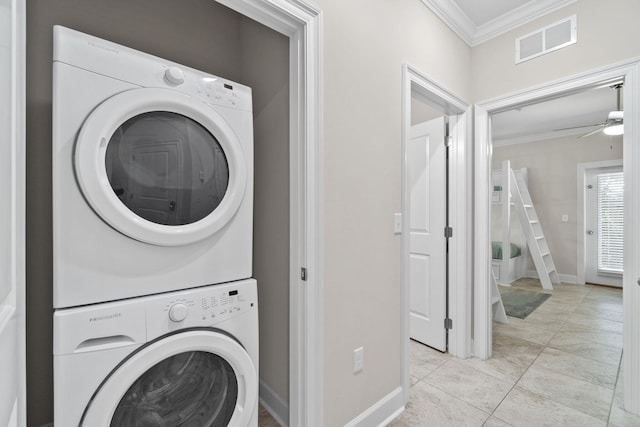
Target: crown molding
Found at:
451, 14
463, 26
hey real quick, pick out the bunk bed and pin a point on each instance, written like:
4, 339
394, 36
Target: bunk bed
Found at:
506, 230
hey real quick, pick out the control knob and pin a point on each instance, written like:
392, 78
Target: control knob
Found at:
174, 75
178, 312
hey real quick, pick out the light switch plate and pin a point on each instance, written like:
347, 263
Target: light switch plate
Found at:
358, 360
397, 223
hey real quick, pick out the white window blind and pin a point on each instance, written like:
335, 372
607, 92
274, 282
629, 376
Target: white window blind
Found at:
610, 222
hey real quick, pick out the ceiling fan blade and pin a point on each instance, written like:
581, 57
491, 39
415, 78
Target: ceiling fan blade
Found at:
578, 127
593, 132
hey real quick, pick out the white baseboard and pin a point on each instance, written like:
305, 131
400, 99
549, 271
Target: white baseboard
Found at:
565, 278
382, 412
274, 404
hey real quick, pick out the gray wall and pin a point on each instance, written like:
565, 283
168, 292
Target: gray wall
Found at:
264, 64
205, 36
553, 174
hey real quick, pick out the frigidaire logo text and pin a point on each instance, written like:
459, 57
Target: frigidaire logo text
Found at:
105, 48
105, 317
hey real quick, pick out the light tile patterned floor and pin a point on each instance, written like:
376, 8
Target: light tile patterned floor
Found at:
265, 419
558, 367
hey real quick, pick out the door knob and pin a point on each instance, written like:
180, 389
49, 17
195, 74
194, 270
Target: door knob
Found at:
589, 232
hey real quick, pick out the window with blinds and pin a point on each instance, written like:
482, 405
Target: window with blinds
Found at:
610, 222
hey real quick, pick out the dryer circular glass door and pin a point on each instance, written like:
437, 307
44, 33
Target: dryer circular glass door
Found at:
197, 378
160, 166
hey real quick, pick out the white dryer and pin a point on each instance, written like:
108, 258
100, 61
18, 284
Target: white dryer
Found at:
186, 358
152, 174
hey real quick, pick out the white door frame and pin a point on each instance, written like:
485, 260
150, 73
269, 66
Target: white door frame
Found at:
630, 72
459, 218
15, 302
302, 24
582, 250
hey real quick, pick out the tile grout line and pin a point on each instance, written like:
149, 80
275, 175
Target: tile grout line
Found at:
516, 382
547, 345
615, 387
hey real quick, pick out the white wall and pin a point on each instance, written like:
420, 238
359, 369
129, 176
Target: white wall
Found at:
552, 172
422, 112
365, 44
605, 30
608, 32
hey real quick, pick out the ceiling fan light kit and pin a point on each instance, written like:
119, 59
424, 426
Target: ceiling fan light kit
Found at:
614, 125
614, 130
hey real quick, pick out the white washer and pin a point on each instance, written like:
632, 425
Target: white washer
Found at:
187, 358
152, 174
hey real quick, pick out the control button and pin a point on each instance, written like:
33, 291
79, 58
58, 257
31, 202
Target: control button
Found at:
174, 75
178, 312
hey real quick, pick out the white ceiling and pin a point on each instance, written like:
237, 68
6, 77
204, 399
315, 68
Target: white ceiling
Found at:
481, 12
477, 21
543, 120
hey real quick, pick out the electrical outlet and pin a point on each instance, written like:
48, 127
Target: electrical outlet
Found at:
358, 360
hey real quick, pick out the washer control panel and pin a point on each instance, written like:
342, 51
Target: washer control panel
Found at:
178, 312
200, 306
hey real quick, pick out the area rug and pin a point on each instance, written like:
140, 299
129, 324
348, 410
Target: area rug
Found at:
520, 303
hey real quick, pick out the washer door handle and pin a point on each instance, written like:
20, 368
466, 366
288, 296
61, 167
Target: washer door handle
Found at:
103, 343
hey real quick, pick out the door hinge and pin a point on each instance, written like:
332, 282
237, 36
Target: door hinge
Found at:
303, 274
448, 232
448, 324
447, 141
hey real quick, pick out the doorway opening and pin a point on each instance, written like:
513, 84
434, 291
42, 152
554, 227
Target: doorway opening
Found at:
431, 260
485, 112
601, 225
543, 316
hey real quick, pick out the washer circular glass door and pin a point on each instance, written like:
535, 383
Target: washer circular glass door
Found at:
160, 166
197, 378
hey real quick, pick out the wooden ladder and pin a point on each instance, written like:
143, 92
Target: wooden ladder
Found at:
499, 315
536, 241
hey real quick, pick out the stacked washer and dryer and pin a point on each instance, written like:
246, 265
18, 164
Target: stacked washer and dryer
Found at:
155, 311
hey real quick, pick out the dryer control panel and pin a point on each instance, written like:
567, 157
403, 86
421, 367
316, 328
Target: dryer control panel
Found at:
142, 69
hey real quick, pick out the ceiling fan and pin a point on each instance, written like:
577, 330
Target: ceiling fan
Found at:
614, 123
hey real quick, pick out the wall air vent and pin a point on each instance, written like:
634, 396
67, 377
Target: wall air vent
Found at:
547, 39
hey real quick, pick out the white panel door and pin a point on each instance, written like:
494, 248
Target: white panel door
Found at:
603, 226
426, 157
